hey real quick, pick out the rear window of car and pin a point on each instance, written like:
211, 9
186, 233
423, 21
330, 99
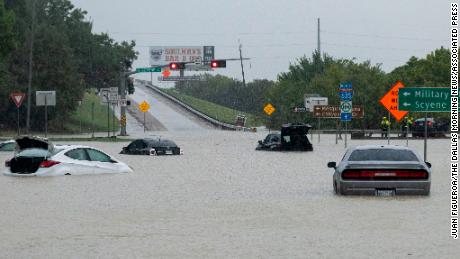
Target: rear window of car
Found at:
165, 143
382, 155
34, 152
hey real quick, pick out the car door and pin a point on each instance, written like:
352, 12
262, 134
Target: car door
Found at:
78, 162
102, 162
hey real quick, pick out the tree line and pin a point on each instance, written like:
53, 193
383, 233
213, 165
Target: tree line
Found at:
322, 74
68, 57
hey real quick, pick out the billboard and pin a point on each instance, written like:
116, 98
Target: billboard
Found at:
163, 55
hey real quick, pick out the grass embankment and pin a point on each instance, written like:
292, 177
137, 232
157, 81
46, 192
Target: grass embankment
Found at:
216, 111
83, 113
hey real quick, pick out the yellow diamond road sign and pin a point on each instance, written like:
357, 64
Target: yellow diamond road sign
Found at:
269, 109
144, 106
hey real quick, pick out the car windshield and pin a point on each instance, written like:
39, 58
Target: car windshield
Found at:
382, 155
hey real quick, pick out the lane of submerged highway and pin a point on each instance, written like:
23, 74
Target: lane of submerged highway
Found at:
223, 199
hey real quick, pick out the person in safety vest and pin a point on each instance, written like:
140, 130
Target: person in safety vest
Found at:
406, 123
385, 125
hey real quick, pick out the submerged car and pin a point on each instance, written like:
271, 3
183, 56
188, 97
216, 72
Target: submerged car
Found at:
9, 145
381, 170
37, 157
152, 147
271, 142
293, 137
434, 128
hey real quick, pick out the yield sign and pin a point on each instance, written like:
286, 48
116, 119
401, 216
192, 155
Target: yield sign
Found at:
17, 98
390, 101
166, 73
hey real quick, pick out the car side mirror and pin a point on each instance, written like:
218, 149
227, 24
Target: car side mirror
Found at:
332, 165
260, 142
428, 164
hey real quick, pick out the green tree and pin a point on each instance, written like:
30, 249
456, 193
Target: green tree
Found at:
68, 57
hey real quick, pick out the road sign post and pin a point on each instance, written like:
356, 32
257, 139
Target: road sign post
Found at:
269, 109
427, 99
17, 98
144, 107
346, 94
390, 102
45, 98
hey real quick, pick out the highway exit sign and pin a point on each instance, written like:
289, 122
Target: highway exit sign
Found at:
148, 69
424, 99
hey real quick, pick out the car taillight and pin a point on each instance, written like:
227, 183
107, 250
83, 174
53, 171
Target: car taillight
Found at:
7, 163
380, 174
429, 123
48, 163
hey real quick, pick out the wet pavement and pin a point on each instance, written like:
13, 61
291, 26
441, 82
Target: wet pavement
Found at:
170, 116
223, 199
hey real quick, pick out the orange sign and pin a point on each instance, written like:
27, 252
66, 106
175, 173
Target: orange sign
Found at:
269, 109
166, 73
144, 106
390, 101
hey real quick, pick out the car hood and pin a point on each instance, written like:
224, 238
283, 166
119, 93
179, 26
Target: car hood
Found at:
33, 142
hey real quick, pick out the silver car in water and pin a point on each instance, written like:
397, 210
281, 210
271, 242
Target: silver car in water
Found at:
382, 170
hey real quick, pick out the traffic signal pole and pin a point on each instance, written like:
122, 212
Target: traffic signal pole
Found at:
123, 77
122, 107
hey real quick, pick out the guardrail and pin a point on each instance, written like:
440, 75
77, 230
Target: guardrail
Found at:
202, 116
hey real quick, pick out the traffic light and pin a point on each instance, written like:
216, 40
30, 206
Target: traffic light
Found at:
130, 85
218, 63
177, 65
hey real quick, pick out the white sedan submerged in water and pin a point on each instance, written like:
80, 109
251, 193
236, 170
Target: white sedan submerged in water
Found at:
37, 157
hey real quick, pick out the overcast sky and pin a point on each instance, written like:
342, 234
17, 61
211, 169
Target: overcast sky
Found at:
275, 33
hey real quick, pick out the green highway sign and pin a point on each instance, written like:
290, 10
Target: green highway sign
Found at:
148, 69
424, 99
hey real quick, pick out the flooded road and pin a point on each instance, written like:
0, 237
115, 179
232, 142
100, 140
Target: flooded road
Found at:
170, 116
223, 199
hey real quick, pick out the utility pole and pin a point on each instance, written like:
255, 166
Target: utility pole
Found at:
319, 41
31, 54
241, 60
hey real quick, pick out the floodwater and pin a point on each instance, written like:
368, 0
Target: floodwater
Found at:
223, 199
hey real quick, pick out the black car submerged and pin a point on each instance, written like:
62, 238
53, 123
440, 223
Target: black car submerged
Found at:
293, 137
435, 128
152, 147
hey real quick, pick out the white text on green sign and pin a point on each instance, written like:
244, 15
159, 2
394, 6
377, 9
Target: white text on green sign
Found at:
148, 69
428, 99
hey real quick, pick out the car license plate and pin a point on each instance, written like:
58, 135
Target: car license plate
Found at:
168, 152
385, 193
